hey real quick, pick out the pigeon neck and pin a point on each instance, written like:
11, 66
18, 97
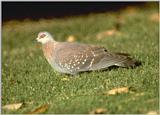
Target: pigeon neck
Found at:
49, 42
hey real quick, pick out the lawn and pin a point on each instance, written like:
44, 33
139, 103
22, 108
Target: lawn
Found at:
27, 77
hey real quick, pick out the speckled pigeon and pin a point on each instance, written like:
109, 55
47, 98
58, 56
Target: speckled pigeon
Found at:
73, 58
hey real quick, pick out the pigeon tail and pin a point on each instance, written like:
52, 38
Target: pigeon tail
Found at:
129, 62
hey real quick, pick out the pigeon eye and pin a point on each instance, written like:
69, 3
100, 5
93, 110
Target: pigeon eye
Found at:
42, 36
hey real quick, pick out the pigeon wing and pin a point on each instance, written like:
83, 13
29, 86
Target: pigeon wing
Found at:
80, 57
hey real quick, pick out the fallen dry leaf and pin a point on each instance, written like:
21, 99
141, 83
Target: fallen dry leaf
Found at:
12, 107
98, 111
108, 33
151, 100
155, 17
71, 38
152, 113
29, 102
118, 90
130, 10
65, 79
119, 22
139, 94
40, 109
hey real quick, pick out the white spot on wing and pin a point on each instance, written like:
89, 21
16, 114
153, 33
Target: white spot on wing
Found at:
91, 63
93, 53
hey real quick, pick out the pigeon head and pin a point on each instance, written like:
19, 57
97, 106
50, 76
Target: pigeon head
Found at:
44, 37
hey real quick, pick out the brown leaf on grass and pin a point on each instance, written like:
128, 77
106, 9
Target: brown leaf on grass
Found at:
117, 91
119, 22
139, 94
12, 107
151, 100
29, 102
71, 38
98, 111
39, 110
65, 79
130, 10
110, 32
155, 17
152, 113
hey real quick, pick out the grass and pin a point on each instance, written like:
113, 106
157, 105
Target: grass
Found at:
28, 78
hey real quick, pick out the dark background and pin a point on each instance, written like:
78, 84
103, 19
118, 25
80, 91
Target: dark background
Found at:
37, 10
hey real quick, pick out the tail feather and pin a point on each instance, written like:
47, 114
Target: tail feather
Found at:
124, 54
129, 62
114, 59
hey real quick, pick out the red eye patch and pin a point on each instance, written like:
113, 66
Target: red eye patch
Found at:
42, 36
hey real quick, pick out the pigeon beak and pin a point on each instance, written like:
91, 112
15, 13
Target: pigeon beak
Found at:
35, 40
